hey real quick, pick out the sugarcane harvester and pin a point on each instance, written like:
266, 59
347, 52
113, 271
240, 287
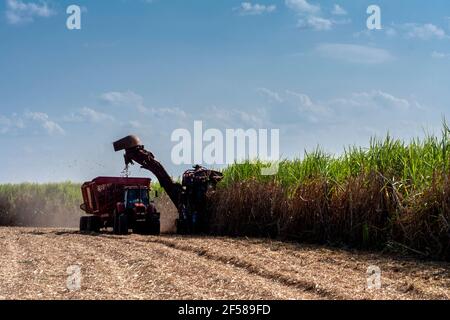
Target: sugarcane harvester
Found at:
189, 196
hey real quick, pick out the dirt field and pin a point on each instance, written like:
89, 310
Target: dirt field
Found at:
34, 262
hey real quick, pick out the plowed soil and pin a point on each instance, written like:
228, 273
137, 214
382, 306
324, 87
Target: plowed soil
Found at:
34, 265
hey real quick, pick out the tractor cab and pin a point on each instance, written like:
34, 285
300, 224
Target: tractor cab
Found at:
136, 197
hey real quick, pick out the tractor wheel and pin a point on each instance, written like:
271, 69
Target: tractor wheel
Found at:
95, 224
123, 224
140, 227
90, 224
154, 225
151, 226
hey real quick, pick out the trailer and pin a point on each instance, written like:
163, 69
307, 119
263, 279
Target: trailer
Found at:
119, 203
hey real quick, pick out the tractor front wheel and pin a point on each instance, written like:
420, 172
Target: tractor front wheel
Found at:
120, 223
150, 226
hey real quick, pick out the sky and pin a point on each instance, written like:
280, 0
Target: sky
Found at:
310, 68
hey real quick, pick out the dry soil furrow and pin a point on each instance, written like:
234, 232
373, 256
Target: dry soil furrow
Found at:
250, 267
115, 267
11, 257
47, 276
196, 278
33, 264
331, 273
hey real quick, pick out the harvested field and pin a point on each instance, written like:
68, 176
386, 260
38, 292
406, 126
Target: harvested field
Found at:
34, 262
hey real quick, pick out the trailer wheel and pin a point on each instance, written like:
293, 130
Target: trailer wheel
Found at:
90, 224
94, 224
84, 224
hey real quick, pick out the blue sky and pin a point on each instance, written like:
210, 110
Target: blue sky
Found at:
309, 68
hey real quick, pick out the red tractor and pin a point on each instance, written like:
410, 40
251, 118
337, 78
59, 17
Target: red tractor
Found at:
119, 203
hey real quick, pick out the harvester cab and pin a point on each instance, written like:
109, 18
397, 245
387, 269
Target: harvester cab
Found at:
189, 197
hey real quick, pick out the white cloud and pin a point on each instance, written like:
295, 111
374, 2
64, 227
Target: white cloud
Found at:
353, 53
44, 121
15, 122
5, 124
169, 112
302, 6
90, 115
338, 10
424, 32
19, 12
439, 55
95, 116
134, 100
315, 23
310, 16
9, 124
232, 118
299, 108
304, 104
125, 99
270, 94
135, 124
366, 33
390, 31
292, 107
247, 9
375, 100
